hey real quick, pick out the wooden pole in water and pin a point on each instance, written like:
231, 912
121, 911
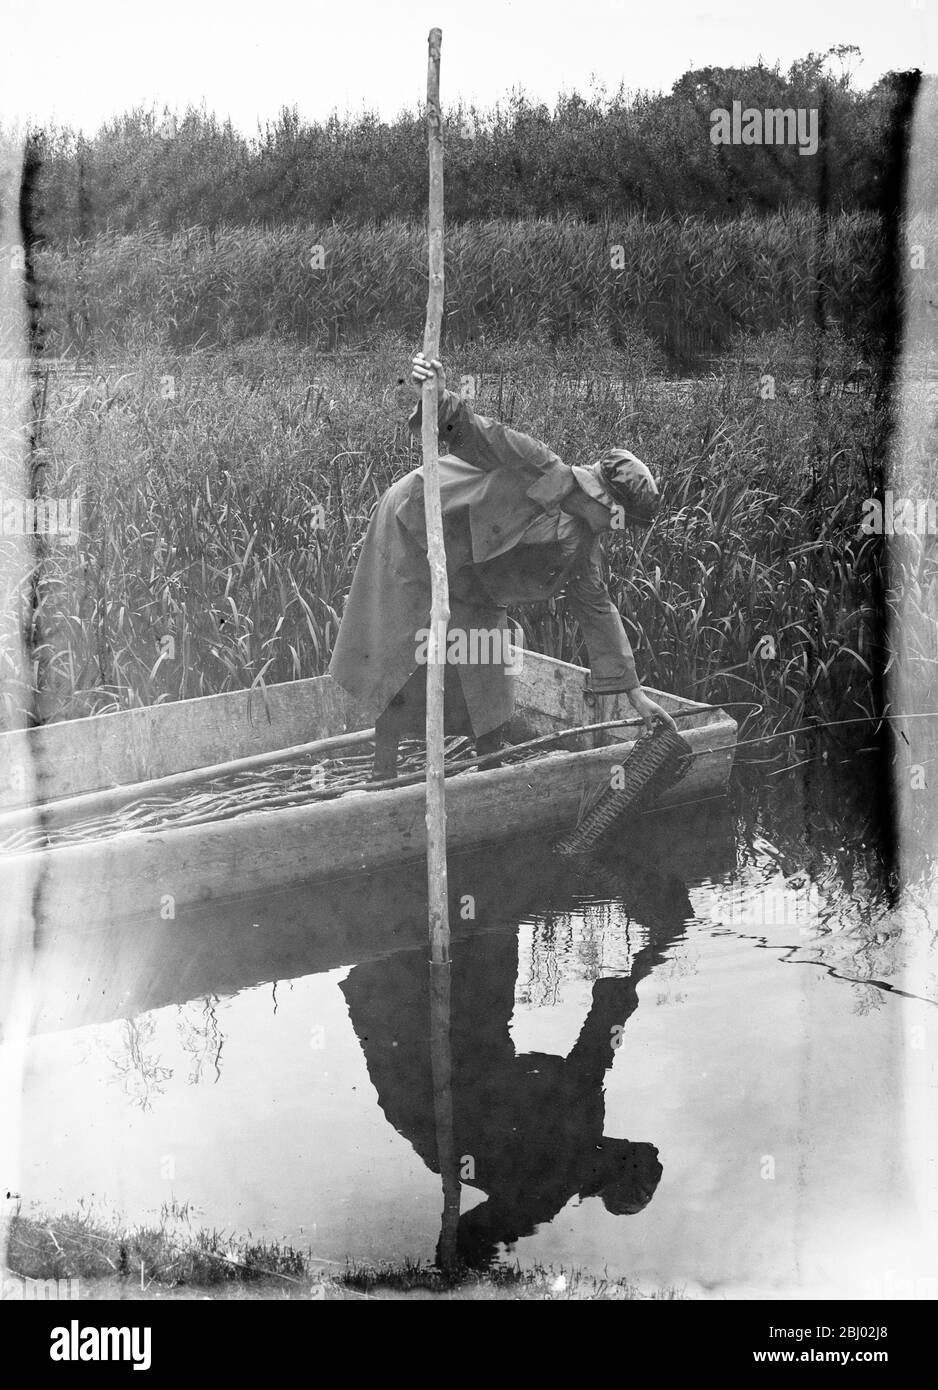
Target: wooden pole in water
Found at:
436, 552
438, 894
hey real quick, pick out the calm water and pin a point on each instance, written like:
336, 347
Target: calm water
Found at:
697, 1062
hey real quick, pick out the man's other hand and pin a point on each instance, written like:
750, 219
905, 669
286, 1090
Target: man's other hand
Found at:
650, 710
422, 370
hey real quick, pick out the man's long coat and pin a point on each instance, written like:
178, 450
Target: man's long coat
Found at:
494, 483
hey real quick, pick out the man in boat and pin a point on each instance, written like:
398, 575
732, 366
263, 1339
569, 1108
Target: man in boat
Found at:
520, 525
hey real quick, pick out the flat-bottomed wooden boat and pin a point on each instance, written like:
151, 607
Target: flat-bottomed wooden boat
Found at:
154, 872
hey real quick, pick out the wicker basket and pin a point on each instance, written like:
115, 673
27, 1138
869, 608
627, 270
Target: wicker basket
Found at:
658, 760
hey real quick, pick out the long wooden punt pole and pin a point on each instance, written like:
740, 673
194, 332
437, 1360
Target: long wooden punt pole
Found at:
436, 550
438, 894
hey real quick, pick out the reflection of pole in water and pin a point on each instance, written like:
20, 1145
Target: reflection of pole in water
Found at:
441, 1066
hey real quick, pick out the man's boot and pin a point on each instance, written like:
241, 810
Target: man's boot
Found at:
387, 746
387, 742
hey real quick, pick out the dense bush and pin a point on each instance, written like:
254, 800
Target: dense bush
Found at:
598, 157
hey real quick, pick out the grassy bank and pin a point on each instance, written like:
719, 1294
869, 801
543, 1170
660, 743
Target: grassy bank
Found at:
109, 1260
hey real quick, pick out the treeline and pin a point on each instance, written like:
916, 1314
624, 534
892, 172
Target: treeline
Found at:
595, 158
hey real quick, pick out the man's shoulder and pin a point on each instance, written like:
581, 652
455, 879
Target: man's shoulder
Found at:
404, 485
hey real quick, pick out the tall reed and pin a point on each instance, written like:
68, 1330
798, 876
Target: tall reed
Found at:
687, 284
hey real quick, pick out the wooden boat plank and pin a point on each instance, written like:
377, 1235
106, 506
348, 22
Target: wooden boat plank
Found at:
551, 695
79, 755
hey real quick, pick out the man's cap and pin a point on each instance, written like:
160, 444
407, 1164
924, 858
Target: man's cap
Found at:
631, 1176
629, 482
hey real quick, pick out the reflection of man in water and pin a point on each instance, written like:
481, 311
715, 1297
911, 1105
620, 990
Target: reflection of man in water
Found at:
528, 1127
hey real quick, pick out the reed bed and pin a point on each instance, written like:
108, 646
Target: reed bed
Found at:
220, 527
688, 284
